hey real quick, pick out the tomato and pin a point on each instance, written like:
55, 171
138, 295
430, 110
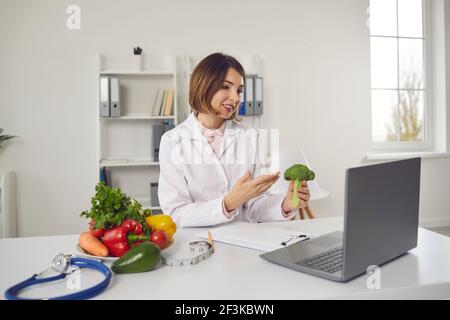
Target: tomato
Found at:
95, 232
98, 232
162, 222
160, 238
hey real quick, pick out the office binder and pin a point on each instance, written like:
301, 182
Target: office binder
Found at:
115, 97
258, 90
243, 105
102, 177
169, 103
104, 97
157, 103
249, 96
158, 129
163, 103
242, 108
157, 132
154, 200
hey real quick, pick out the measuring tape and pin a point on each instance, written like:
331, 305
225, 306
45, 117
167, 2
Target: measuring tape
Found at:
200, 250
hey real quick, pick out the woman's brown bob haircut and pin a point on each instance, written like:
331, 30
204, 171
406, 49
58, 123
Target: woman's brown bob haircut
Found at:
207, 78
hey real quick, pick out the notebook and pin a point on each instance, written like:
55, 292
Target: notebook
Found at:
255, 235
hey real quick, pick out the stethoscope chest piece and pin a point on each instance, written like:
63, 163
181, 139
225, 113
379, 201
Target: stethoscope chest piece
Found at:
62, 265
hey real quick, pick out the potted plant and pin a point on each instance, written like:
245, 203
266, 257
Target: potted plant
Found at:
4, 137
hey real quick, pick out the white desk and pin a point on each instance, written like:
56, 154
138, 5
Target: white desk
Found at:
239, 273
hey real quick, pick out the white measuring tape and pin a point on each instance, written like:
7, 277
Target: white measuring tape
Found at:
201, 250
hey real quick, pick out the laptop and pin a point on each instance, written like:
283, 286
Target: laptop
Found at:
381, 223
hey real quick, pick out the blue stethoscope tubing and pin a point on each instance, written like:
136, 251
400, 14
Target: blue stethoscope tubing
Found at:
12, 293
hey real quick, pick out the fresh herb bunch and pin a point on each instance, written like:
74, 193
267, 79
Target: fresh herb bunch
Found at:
110, 207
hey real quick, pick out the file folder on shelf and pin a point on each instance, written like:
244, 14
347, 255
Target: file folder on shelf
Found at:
169, 103
242, 108
247, 106
158, 102
258, 90
104, 97
115, 97
154, 200
163, 102
157, 132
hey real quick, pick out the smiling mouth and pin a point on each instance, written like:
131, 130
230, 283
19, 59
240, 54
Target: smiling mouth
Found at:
229, 107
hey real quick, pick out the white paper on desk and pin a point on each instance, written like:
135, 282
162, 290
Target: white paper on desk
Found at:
253, 235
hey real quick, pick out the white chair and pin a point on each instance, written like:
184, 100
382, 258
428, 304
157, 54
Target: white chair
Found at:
285, 158
8, 219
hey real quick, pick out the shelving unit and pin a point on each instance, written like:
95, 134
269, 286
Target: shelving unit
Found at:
129, 163
139, 117
141, 73
129, 137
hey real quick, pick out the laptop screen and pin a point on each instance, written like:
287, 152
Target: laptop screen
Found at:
381, 213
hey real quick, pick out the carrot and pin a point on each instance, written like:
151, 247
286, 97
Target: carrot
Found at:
93, 245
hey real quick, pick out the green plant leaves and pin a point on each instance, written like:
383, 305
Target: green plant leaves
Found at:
110, 207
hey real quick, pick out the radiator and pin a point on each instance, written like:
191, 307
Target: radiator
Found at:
8, 210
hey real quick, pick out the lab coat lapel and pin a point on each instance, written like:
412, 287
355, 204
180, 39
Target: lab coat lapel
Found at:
229, 138
202, 146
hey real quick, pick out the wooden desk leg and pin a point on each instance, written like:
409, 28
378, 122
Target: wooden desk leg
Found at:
302, 213
309, 213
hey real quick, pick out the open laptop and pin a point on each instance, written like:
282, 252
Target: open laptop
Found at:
380, 223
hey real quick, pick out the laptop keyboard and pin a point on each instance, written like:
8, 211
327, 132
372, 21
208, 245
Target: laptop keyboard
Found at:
328, 261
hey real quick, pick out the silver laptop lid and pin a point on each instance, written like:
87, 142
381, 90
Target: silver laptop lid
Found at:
381, 213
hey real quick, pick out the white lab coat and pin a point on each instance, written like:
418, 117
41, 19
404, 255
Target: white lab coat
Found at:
193, 180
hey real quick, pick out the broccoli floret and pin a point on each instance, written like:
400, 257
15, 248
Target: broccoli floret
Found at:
298, 173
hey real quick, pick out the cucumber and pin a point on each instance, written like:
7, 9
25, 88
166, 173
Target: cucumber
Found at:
141, 258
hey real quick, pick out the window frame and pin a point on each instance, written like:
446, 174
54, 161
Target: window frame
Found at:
427, 143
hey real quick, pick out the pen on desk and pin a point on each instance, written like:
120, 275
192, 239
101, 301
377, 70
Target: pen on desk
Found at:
304, 236
210, 240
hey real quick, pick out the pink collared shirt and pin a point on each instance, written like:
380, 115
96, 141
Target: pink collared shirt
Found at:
214, 136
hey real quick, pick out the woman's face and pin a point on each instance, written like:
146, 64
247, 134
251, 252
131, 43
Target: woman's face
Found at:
228, 98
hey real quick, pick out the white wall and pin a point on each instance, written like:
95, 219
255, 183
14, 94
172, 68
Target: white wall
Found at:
316, 68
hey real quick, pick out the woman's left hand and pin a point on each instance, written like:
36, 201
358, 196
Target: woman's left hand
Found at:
302, 193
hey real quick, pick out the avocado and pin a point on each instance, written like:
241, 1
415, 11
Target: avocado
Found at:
141, 258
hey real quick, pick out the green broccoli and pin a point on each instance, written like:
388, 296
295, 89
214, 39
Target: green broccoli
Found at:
298, 173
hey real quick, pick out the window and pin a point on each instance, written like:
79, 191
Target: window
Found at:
399, 82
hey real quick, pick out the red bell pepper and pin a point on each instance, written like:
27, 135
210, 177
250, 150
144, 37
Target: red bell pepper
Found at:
119, 238
132, 225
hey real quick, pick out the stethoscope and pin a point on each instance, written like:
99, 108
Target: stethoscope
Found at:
64, 265
67, 264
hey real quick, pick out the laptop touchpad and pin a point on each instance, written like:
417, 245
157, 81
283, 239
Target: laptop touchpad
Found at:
325, 242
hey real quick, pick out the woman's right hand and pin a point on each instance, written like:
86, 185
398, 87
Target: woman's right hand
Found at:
247, 188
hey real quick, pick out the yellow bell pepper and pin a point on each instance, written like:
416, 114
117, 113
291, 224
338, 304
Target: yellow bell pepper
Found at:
162, 222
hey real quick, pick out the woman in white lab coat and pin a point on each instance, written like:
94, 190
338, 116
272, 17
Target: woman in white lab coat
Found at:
209, 168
